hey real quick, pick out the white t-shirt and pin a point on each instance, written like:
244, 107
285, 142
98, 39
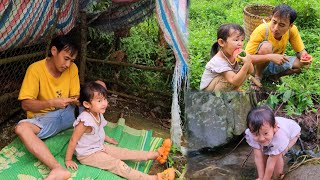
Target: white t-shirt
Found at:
92, 142
214, 68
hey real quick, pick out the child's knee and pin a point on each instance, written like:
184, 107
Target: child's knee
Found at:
123, 167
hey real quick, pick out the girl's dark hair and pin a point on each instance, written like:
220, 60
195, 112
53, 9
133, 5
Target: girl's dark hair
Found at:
64, 42
259, 115
224, 33
285, 11
88, 89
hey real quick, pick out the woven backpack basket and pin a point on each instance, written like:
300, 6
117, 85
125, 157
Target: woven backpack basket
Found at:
254, 15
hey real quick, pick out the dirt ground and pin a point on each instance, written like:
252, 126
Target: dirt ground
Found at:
310, 123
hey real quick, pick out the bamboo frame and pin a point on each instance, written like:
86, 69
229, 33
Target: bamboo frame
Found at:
93, 78
21, 57
159, 69
83, 52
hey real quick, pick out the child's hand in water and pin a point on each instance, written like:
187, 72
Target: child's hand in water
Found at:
71, 164
110, 140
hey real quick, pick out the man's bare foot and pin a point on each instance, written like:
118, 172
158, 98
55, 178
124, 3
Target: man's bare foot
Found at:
58, 174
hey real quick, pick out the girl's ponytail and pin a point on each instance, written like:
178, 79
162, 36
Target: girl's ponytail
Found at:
214, 49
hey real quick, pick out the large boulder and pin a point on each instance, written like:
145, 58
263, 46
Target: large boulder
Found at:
308, 171
214, 118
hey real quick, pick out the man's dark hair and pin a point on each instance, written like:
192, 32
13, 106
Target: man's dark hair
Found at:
285, 11
64, 42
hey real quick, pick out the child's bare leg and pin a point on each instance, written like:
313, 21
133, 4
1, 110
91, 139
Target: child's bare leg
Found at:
105, 161
278, 168
260, 160
127, 154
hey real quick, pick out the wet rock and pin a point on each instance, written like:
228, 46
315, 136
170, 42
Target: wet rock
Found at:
216, 167
308, 171
213, 119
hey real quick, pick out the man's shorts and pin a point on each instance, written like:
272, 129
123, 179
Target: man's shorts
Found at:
53, 122
273, 69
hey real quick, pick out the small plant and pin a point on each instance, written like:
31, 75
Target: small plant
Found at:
177, 160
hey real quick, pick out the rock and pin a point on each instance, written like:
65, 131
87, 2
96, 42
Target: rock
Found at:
213, 119
213, 167
308, 171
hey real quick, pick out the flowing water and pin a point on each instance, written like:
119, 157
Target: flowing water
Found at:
221, 164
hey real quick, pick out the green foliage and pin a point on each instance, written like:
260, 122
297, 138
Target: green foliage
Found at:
295, 103
99, 5
99, 41
173, 151
95, 34
142, 47
308, 13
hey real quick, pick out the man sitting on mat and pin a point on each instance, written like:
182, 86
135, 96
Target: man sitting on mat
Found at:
49, 89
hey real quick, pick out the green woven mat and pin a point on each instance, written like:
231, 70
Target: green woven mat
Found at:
17, 163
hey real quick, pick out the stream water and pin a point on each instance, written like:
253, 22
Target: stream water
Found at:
219, 163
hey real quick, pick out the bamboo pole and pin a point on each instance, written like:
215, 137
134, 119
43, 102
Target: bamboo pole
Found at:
83, 55
137, 98
93, 78
127, 96
159, 69
21, 57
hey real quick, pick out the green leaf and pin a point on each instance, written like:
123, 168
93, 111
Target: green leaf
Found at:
287, 95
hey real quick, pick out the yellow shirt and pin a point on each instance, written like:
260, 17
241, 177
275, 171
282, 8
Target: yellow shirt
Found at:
279, 46
39, 84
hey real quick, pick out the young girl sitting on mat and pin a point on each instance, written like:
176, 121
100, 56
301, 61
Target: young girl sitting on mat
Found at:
87, 141
222, 72
271, 138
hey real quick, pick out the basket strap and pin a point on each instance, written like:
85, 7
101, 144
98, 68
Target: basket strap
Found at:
267, 30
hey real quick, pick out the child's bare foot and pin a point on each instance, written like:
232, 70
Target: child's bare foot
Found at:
58, 173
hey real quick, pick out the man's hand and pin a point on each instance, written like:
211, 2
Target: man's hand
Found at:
61, 103
278, 59
71, 164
